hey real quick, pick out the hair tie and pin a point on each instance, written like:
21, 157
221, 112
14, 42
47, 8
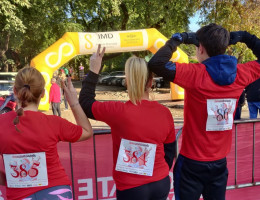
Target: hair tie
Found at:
27, 86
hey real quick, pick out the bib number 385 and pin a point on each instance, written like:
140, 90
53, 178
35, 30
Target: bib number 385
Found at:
26, 170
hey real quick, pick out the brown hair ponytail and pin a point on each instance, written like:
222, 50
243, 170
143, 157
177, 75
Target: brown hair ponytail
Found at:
16, 119
29, 85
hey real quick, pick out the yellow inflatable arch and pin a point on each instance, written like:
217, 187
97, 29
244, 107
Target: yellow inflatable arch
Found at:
72, 44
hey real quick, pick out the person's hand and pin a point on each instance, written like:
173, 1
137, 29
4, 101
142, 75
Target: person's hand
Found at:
96, 59
190, 38
70, 93
235, 37
186, 38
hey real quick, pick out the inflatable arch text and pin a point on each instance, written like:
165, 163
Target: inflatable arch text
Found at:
72, 44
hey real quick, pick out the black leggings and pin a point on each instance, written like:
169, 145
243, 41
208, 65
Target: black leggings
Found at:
158, 190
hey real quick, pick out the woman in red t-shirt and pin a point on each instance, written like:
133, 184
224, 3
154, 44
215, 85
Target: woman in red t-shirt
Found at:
142, 132
28, 141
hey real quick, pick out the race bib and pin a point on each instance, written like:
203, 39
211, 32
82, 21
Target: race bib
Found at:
136, 157
220, 114
26, 170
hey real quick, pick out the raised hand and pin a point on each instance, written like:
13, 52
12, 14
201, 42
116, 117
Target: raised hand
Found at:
186, 38
70, 93
235, 37
96, 59
190, 38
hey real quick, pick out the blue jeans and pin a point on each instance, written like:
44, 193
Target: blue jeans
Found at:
254, 108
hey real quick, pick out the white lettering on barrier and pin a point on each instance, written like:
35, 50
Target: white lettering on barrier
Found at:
88, 188
171, 179
1, 197
104, 181
104, 188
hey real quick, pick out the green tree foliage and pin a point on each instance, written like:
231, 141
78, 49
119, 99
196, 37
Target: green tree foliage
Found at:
10, 25
111, 15
234, 15
33, 25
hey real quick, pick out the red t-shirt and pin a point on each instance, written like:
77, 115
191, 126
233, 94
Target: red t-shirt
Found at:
55, 93
39, 133
147, 122
198, 143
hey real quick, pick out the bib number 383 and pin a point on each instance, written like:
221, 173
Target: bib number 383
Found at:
26, 170
136, 157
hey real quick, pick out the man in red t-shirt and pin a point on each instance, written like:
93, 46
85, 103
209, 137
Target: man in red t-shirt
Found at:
212, 89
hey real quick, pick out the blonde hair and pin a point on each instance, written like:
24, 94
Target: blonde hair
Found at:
29, 85
137, 76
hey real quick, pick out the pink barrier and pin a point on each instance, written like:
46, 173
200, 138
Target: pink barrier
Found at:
80, 164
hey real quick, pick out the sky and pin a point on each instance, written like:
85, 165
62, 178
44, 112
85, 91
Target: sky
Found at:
193, 23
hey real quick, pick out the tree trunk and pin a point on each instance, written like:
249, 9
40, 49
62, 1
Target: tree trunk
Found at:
3, 48
5, 68
125, 16
4, 43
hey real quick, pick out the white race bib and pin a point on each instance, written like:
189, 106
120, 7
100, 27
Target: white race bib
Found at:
26, 170
220, 114
136, 157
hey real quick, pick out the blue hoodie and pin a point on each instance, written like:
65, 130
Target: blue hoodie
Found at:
222, 69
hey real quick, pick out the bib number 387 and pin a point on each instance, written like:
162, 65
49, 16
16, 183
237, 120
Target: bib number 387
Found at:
26, 170
136, 157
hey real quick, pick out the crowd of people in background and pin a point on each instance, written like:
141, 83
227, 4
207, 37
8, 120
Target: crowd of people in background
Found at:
57, 94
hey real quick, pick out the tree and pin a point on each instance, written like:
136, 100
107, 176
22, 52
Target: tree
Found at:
234, 15
10, 24
113, 15
30, 26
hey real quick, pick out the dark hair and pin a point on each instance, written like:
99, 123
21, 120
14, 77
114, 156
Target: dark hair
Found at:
214, 39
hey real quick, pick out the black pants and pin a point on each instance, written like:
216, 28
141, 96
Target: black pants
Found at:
55, 108
193, 178
158, 190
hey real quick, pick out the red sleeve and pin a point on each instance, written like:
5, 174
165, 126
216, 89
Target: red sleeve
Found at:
248, 72
171, 136
107, 111
187, 73
69, 132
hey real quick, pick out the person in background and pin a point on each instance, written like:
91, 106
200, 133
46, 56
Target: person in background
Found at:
29, 138
55, 97
142, 131
240, 104
253, 98
212, 89
64, 78
71, 72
